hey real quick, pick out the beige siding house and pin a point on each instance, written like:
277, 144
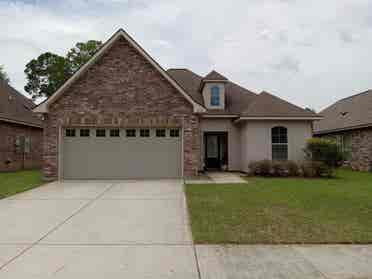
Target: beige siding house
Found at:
123, 116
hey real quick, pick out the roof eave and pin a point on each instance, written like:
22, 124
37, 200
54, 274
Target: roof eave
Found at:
330, 131
295, 118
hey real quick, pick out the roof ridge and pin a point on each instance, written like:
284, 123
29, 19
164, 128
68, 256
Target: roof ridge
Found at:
355, 95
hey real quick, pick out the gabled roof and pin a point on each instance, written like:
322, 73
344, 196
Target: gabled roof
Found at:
43, 107
268, 105
348, 113
240, 102
214, 76
16, 108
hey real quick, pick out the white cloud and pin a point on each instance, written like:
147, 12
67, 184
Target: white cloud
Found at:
308, 52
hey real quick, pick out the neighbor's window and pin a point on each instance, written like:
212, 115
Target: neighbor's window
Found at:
70, 132
84, 132
114, 133
100, 133
215, 96
130, 133
174, 133
160, 133
144, 133
279, 141
27, 145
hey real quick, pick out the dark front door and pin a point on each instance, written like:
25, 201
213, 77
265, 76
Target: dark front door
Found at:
215, 150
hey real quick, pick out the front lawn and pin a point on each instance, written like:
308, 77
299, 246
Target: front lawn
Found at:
15, 182
284, 210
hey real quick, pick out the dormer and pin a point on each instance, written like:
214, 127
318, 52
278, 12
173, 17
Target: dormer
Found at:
213, 90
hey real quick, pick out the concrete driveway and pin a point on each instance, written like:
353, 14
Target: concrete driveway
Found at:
97, 229
139, 229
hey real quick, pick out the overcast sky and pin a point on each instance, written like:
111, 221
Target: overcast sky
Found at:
310, 53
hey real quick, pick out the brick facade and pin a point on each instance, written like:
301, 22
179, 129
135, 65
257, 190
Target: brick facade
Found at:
121, 89
361, 149
11, 158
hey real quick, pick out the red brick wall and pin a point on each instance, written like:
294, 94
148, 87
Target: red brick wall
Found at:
8, 152
122, 89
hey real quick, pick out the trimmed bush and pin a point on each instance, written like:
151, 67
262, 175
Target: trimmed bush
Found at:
262, 168
316, 169
323, 150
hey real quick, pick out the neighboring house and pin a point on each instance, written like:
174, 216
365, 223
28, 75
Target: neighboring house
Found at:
21, 131
349, 122
123, 116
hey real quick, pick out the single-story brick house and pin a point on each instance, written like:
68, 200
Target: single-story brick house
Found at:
123, 116
21, 131
349, 122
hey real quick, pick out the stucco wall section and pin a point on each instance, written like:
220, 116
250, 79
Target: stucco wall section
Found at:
122, 89
223, 125
8, 152
256, 140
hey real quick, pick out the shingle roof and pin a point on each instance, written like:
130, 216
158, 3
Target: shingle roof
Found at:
237, 97
240, 101
15, 107
348, 113
266, 104
215, 76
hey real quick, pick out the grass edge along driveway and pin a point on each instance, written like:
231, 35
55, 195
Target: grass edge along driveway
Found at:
283, 210
12, 183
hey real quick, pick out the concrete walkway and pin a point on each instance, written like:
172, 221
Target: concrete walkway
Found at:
139, 229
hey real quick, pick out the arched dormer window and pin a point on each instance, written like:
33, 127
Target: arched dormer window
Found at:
279, 143
215, 96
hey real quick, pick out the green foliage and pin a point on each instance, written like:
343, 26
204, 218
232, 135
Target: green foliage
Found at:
49, 71
316, 169
274, 168
3, 75
46, 74
81, 53
323, 150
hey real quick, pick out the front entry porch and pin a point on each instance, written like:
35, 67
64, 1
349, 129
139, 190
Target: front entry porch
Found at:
216, 151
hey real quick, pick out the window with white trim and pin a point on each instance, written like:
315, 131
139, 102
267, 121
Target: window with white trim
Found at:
84, 132
114, 133
130, 133
144, 133
215, 96
174, 133
160, 133
101, 133
70, 132
279, 143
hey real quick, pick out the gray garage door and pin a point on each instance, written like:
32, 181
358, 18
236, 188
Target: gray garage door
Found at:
121, 153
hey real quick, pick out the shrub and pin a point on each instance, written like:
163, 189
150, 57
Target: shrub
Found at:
323, 150
279, 168
316, 169
274, 168
293, 168
263, 167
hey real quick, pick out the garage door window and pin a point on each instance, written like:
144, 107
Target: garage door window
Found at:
70, 133
100, 133
160, 133
174, 133
114, 133
144, 133
130, 133
84, 132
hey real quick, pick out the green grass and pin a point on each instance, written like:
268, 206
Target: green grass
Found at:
284, 210
15, 182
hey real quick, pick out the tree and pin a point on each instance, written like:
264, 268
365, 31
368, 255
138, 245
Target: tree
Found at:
3, 75
49, 71
81, 53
